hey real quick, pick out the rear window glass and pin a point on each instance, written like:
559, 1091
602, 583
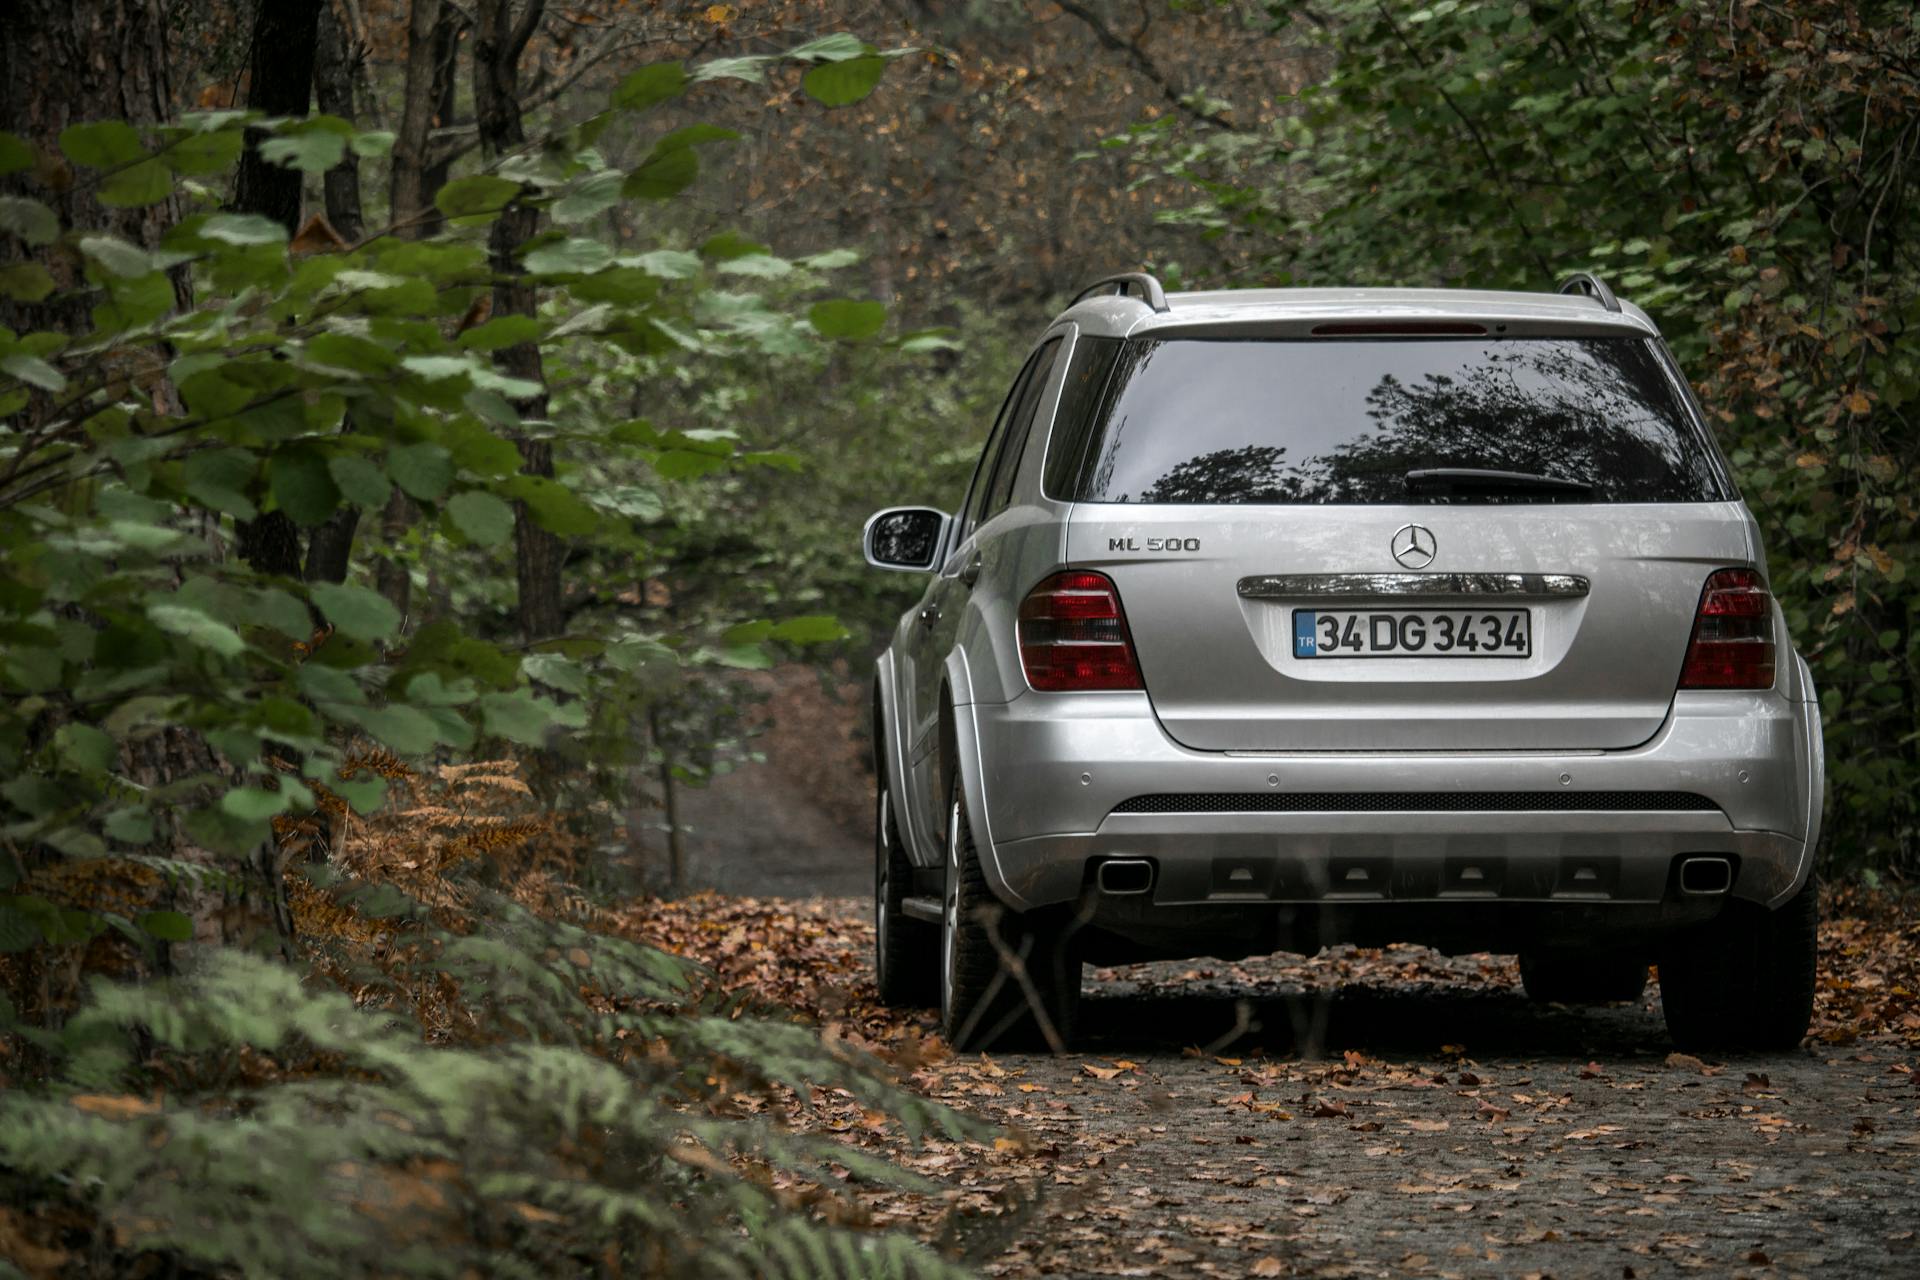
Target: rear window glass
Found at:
1320, 421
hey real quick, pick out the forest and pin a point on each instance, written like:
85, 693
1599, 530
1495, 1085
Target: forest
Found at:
434, 443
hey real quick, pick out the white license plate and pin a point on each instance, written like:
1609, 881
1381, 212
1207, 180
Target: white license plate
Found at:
1412, 633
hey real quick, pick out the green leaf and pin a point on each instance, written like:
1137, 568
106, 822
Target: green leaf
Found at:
837, 84
402, 729
243, 228
253, 804
148, 182
33, 371
117, 256
167, 926
811, 629
18, 931
483, 518
26, 281
310, 150
423, 470
218, 479
203, 153
362, 614
501, 331
663, 175
730, 244
479, 198
517, 716
696, 135
580, 256
360, 481
274, 608
650, 86
379, 901
85, 748
373, 143
555, 508
667, 264
32, 221
587, 198
197, 627
15, 154
101, 145
129, 826
364, 794
556, 670
302, 485
846, 318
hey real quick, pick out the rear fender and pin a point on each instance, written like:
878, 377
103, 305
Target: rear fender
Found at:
960, 748
1815, 757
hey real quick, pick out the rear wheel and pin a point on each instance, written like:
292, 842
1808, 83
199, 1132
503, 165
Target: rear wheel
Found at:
905, 950
1564, 977
1744, 980
1007, 980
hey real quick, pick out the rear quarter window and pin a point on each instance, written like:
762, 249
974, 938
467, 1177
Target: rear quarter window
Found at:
1325, 421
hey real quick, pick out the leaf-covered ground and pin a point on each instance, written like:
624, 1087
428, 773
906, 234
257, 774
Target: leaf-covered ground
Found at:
1370, 1112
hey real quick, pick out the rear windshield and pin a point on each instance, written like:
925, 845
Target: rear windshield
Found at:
1319, 421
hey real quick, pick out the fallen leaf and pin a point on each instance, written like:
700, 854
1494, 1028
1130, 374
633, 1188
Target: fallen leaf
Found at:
113, 1106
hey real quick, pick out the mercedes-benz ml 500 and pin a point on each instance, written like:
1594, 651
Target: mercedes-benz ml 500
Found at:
1280, 618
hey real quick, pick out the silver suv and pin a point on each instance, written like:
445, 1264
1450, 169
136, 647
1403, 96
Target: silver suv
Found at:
1274, 619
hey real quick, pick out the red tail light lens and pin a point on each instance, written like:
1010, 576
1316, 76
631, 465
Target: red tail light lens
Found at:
1732, 645
1073, 636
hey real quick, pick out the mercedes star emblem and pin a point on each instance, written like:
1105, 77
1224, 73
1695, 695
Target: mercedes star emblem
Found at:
1413, 545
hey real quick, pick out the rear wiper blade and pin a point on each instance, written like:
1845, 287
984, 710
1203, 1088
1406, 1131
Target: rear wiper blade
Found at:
1481, 480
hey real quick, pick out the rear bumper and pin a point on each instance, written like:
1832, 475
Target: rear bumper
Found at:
1053, 769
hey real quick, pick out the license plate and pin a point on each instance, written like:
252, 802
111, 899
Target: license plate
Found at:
1412, 633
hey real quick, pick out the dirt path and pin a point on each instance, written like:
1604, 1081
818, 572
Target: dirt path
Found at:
1396, 1113
1424, 1119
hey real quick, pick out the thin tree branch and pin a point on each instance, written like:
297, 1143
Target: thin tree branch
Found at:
1143, 63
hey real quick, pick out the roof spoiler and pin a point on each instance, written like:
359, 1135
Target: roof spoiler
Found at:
1591, 286
1134, 284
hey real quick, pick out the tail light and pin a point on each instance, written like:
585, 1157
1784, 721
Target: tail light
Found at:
1732, 645
1073, 636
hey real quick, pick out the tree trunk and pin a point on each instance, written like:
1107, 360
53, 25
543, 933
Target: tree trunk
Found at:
330, 549
499, 42
336, 54
61, 64
427, 102
427, 96
279, 83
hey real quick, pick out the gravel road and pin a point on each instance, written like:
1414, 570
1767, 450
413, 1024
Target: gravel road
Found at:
1397, 1113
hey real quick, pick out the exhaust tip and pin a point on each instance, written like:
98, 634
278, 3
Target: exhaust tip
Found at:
1117, 876
1705, 875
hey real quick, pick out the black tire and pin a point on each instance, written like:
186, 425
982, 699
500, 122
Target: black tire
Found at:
1564, 977
1745, 979
1007, 980
906, 952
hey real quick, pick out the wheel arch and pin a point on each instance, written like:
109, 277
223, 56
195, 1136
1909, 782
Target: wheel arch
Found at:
960, 759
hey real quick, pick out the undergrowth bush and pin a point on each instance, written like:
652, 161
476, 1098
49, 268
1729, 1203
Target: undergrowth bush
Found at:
473, 1079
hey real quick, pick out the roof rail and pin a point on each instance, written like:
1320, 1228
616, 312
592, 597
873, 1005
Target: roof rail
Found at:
1128, 284
1591, 286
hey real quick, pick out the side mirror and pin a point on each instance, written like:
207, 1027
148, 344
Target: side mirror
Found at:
905, 538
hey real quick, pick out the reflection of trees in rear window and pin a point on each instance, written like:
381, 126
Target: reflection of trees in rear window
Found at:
1337, 421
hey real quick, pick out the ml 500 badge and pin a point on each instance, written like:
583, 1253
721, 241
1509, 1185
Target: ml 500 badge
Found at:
1153, 544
